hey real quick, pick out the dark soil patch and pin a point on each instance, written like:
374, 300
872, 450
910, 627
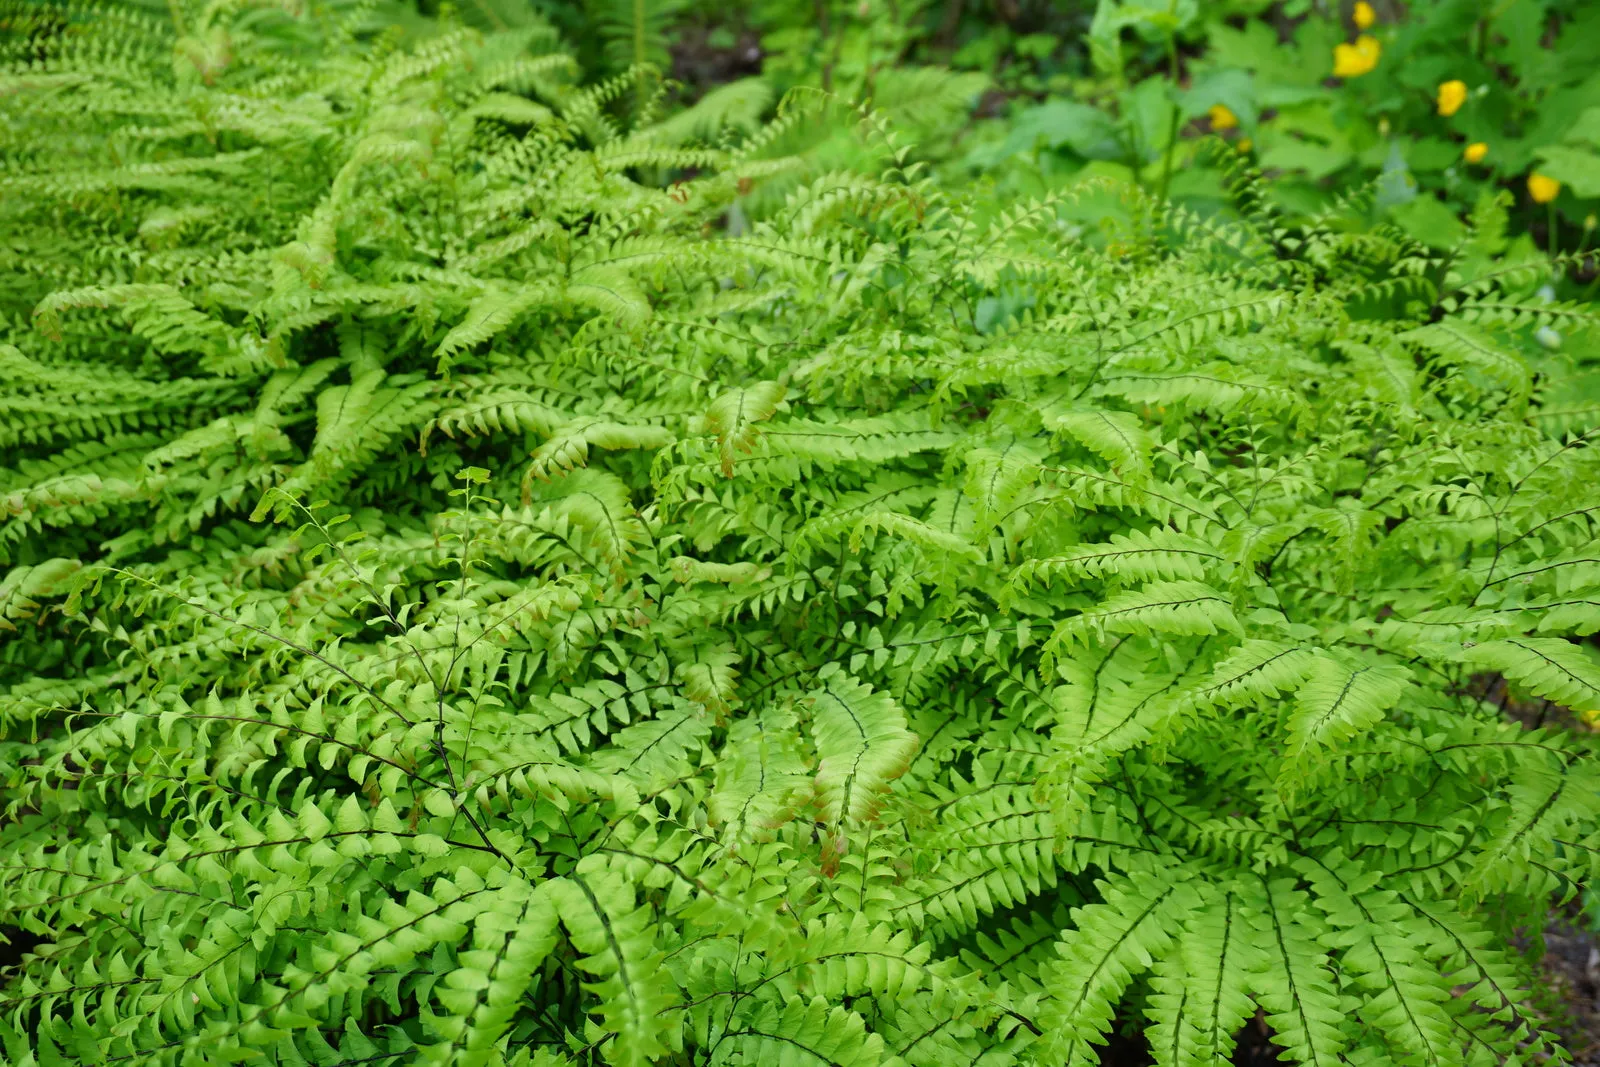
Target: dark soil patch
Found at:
1127, 1047
703, 61
1531, 713
1255, 1047
14, 944
1571, 971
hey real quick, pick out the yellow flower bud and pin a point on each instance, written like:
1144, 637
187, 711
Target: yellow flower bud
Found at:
1452, 94
1543, 189
1589, 221
1354, 60
1475, 152
1245, 144
1222, 118
1364, 16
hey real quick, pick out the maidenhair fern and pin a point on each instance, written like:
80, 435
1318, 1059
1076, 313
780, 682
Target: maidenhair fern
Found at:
463, 605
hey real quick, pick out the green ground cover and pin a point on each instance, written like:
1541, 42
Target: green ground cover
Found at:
510, 557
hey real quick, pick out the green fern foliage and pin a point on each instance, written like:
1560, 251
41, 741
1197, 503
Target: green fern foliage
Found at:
472, 596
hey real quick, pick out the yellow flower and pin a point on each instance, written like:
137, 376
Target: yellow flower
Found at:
1364, 15
1542, 189
1452, 94
1354, 60
1475, 152
1245, 144
1222, 118
1346, 64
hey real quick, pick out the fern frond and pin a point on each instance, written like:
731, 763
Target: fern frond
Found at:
1175, 607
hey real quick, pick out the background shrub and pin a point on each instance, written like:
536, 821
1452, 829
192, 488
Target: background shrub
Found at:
1037, 96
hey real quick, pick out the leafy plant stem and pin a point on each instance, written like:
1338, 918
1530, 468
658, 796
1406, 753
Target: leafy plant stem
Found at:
1174, 122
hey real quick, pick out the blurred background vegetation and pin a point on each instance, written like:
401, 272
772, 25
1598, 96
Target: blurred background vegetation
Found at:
1423, 114
1423, 111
